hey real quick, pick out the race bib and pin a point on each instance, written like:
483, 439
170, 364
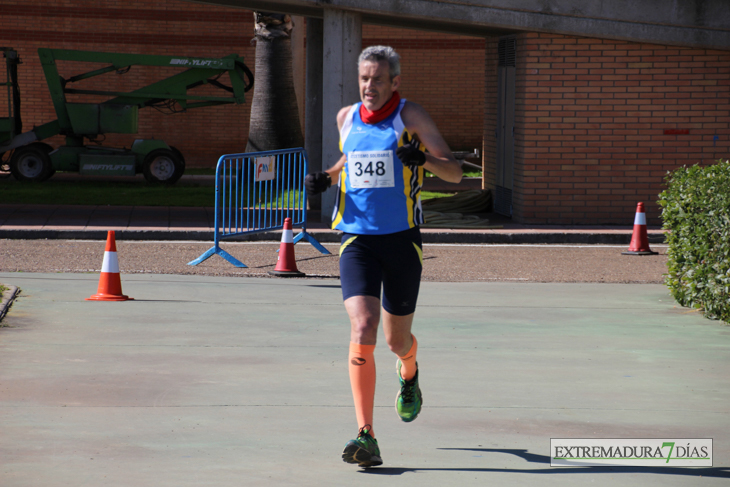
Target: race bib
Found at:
370, 169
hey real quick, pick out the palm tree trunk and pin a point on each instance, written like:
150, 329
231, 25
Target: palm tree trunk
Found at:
274, 113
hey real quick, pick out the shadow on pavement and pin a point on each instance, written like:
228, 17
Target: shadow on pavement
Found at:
720, 472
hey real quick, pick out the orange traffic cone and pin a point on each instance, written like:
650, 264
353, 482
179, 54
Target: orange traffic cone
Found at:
286, 265
639, 239
110, 284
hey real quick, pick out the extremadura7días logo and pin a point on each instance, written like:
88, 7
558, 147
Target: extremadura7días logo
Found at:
647, 452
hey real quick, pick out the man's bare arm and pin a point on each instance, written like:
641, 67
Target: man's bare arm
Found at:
342, 116
439, 159
335, 170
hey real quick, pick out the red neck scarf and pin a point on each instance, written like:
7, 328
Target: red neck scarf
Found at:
381, 114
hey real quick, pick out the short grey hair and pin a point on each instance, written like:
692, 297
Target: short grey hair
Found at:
381, 53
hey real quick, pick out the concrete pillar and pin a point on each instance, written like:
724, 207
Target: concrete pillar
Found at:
297, 61
342, 46
313, 115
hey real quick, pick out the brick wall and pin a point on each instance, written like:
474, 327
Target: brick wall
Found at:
442, 72
600, 122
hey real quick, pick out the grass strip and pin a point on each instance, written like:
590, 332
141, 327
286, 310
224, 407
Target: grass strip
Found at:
104, 193
121, 194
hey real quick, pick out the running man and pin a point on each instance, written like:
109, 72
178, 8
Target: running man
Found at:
378, 209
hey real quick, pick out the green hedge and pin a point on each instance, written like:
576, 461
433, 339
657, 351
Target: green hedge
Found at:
696, 211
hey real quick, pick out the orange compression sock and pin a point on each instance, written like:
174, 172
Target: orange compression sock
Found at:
362, 380
408, 362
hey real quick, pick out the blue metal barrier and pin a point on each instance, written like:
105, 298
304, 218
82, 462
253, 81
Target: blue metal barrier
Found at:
254, 193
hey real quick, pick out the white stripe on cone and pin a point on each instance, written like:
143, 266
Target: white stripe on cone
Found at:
111, 263
640, 219
287, 236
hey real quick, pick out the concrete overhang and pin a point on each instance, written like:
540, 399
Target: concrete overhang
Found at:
696, 23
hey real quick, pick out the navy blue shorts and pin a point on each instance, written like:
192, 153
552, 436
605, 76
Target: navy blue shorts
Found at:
392, 262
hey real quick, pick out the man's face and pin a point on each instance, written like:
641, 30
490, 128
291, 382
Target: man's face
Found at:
376, 87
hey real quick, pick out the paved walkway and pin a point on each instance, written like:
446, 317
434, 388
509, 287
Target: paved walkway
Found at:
236, 381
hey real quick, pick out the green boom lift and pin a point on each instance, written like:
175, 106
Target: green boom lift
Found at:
29, 159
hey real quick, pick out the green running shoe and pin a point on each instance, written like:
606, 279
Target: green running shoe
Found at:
408, 402
363, 450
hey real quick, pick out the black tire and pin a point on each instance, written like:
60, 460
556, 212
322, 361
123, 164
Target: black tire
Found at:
48, 149
178, 154
31, 163
162, 166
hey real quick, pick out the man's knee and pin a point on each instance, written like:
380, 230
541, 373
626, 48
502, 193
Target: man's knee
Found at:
399, 343
364, 324
364, 312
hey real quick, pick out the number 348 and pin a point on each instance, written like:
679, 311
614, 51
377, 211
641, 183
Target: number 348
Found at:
378, 171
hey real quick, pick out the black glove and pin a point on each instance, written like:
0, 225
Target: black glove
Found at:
317, 182
409, 153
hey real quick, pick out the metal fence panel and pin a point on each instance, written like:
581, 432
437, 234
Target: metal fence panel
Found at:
255, 192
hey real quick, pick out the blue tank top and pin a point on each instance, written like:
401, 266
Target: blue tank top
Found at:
376, 193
